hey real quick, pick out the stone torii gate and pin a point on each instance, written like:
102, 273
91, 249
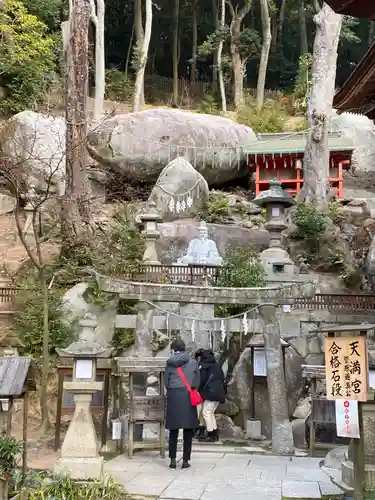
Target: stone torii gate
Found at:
267, 300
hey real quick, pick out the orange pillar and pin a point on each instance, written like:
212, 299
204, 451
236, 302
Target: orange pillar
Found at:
257, 179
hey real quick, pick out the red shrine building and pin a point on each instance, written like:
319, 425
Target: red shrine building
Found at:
357, 95
280, 156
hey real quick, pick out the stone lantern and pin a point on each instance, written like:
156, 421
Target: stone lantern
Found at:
79, 453
275, 259
149, 221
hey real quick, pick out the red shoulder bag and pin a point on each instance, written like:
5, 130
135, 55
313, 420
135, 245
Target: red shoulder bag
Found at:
195, 398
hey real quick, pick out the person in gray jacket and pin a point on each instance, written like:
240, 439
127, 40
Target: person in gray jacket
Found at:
180, 412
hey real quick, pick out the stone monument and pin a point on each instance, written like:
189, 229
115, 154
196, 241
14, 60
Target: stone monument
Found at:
201, 252
79, 453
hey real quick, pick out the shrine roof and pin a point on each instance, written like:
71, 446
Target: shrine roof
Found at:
358, 92
355, 8
294, 144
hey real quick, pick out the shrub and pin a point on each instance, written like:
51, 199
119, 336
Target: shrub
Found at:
209, 105
241, 269
10, 449
302, 83
310, 225
118, 86
64, 487
26, 57
335, 212
28, 321
270, 119
215, 208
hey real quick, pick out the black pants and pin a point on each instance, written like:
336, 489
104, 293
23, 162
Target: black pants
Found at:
188, 441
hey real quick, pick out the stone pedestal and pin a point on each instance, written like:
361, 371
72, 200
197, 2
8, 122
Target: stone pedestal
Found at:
368, 413
79, 453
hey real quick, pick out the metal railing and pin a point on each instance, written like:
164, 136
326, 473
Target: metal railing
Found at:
338, 301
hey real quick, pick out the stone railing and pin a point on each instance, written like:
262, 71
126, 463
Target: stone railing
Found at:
196, 275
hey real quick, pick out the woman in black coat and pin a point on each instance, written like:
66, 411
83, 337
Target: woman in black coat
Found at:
212, 390
180, 412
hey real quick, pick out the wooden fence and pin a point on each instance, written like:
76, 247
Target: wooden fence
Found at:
161, 87
341, 301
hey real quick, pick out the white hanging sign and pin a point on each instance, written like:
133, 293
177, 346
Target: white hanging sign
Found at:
260, 369
287, 308
347, 424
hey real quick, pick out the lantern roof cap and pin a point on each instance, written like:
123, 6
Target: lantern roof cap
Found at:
275, 194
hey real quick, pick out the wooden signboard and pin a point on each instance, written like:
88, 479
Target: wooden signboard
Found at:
346, 368
147, 409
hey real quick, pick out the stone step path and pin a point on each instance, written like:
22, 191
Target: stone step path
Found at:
221, 473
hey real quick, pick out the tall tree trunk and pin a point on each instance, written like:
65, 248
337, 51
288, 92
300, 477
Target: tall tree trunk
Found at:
274, 30
45, 370
194, 21
266, 43
176, 13
281, 23
371, 33
97, 17
139, 81
219, 62
237, 16
316, 160
76, 202
302, 28
139, 37
215, 61
129, 52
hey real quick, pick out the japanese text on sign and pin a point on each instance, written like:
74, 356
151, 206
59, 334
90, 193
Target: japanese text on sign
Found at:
346, 368
347, 422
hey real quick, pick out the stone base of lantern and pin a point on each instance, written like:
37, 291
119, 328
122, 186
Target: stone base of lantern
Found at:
80, 468
347, 474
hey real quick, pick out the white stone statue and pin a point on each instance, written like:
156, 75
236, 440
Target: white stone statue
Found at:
201, 250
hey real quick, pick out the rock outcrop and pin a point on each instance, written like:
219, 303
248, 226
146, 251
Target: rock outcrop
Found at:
139, 145
36, 144
362, 130
180, 191
239, 388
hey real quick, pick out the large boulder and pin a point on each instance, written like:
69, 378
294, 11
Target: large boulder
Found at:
362, 130
36, 144
180, 191
139, 145
239, 388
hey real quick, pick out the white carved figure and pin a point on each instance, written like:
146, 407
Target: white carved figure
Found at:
202, 250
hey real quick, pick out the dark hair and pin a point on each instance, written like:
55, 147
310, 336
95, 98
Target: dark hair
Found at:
178, 345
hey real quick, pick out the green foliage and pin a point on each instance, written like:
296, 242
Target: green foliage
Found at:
26, 57
47, 11
310, 225
335, 212
122, 339
209, 105
123, 247
215, 208
211, 44
28, 321
249, 43
64, 487
118, 87
241, 268
10, 449
302, 83
271, 118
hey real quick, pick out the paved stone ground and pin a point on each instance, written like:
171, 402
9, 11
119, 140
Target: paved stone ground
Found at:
220, 475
